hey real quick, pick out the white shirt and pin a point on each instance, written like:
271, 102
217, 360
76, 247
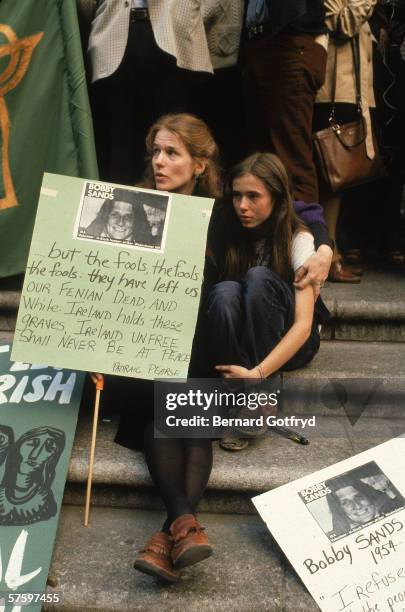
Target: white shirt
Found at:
302, 248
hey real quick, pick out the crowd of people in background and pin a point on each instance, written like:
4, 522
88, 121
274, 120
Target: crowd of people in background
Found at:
260, 74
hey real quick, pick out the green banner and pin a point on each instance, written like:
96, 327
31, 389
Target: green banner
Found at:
38, 415
45, 121
113, 279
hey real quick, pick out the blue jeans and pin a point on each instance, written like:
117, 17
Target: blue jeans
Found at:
248, 318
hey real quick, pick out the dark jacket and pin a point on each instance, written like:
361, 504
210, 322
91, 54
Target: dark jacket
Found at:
300, 15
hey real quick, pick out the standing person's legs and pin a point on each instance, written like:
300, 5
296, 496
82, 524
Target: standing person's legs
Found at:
287, 71
118, 113
146, 85
161, 87
331, 202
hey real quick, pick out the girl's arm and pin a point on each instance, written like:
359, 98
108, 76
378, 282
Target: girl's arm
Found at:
298, 333
315, 269
345, 19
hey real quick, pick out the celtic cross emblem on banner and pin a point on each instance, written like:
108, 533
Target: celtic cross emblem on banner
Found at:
19, 51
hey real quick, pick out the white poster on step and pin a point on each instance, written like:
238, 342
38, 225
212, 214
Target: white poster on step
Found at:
342, 528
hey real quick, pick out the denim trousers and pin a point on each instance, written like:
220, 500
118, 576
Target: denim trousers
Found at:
248, 318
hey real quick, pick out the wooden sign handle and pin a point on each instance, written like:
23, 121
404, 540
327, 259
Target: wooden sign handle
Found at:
98, 380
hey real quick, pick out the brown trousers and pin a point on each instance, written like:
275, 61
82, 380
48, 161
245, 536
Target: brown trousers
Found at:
283, 74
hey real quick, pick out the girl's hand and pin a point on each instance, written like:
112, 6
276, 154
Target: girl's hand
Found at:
234, 371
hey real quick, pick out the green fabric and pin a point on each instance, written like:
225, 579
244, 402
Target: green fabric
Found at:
49, 113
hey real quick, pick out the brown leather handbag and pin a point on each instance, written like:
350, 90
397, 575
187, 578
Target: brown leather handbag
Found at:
340, 150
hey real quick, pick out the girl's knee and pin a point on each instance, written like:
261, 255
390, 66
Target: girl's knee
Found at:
259, 275
224, 292
264, 287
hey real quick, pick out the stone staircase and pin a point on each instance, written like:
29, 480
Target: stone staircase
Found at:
355, 387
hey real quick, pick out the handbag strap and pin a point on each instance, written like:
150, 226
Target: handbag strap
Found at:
354, 43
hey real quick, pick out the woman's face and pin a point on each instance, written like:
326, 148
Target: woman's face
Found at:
35, 451
173, 167
252, 202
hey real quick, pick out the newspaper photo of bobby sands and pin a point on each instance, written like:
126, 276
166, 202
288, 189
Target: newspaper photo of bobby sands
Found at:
353, 500
124, 216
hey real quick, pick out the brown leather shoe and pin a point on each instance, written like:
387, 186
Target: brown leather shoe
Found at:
339, 274
356, 270
155, 559
395, 259
353, 257
190, 542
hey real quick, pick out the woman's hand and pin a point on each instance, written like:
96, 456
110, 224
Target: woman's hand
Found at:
234, 371
315, 270
98, 379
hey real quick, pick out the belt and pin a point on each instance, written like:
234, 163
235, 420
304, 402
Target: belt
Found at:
139, 14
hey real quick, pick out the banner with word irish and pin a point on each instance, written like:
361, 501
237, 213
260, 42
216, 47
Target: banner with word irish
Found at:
39, 407
113, 279
45, 121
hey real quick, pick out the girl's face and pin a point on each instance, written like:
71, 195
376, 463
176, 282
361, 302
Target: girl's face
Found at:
173, 167
252, 202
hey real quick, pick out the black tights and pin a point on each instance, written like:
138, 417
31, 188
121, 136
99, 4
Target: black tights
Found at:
180, 468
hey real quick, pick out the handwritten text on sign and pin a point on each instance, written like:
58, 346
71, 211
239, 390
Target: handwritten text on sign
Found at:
112, 283
344, 531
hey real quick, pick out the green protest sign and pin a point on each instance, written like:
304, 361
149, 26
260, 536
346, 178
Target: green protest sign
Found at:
113, 279
38, 407
45, 119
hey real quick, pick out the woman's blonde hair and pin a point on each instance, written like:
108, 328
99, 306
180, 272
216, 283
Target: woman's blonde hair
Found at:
200, 144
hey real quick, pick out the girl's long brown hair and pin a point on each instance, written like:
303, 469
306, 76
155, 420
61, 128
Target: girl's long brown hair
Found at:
239, 251
199, 142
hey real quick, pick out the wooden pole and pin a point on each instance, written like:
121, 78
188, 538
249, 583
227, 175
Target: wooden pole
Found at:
99, 382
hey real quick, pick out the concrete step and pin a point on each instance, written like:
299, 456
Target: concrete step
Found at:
373, 311
344, 379
121, 478
93, 567
349, 378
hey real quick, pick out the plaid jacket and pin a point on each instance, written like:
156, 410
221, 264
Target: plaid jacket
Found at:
177, 26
